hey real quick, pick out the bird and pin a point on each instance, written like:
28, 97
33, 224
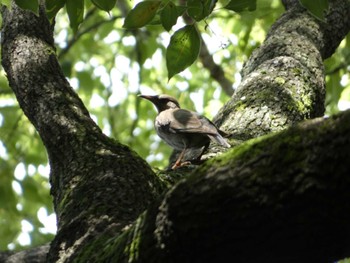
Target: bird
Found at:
183, 129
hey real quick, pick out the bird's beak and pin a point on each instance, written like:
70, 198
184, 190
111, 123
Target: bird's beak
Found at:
147, 97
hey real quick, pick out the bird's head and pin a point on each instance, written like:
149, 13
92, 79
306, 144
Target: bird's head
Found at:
162, 102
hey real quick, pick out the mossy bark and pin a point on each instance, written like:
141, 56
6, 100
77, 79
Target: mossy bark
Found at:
93, 178
278, 198
283, 80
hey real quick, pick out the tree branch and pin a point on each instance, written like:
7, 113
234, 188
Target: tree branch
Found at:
283, 80
279, 198
216, 71
33, 255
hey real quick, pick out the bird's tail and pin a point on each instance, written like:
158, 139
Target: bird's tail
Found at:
219, 140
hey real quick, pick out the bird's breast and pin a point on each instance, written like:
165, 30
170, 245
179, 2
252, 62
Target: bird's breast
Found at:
164, 132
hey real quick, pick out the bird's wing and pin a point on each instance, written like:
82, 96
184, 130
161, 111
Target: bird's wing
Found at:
184, 121
179, 121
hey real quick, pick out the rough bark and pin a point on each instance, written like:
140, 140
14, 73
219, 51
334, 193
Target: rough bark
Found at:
33, 255
283, 80
275, 199
287, 191
278, 198
93, 178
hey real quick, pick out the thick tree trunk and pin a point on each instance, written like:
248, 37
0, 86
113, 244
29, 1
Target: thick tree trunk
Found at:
96, 182
279, 198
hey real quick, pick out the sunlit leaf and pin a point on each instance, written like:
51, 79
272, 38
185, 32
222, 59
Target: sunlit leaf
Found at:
183, 49
141, 14
31, 5
106, 5
53, 6
316, 8
168, 16
241, 5
5, 2
75, 10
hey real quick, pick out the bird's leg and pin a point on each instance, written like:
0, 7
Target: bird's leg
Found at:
179, 159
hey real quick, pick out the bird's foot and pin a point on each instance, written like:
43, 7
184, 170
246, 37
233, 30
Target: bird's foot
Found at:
178, 165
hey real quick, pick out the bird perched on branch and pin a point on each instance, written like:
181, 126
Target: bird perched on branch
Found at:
183, 129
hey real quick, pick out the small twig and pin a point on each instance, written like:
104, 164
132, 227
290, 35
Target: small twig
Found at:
216, 71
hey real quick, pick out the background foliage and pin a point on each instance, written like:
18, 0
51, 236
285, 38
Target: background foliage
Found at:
108, 65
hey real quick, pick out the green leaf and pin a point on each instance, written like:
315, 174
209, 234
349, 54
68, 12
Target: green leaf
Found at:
5, 2
183, 49
168, 16
106, 5
146, 48
155, 20
31, 5
200, 9
195, 9
241, 5
141, 14
75, 10
316, 8
53, 6
180, 10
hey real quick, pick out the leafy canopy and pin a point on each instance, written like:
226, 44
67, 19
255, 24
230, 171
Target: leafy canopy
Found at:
165, 13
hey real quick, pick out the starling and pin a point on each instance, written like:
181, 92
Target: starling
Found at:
183, 129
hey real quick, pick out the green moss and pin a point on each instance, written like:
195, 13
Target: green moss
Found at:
240, 105
132, 250
255, 148
65, 199
105, 248
264, 95
346, 260
49, 49
238, 152
280, 80
297, 71
300, 106
306, 100
110, 246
